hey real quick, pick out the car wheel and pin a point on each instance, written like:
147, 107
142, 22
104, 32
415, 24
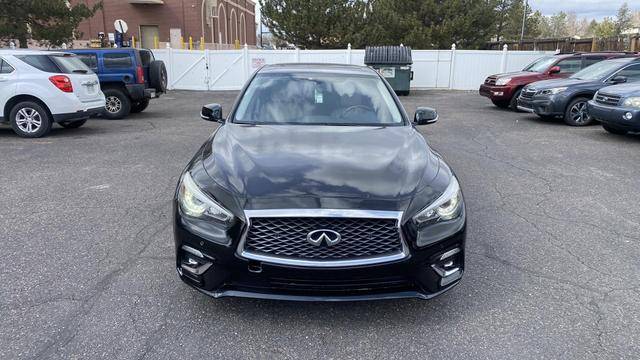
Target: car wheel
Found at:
576, 113
72, 124
139, 106
118, 104
30, 120
614, 130
503, 104
513, 104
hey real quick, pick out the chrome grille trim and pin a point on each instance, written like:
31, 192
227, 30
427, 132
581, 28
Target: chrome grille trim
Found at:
327, 213
608, 99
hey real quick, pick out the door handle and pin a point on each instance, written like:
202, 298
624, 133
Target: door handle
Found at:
4, 79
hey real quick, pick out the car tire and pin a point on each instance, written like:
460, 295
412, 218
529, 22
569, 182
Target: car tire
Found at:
118, 104
513, 103
614, 130
72, 124
158, 76
29, 119
576, 113
503, 104
139, 106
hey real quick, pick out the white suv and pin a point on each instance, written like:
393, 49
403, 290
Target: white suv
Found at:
38, 88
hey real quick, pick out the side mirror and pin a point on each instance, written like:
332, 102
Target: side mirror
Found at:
425, 115
618, 80
554, 70
212, 112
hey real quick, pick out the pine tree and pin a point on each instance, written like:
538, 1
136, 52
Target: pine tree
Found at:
53, 22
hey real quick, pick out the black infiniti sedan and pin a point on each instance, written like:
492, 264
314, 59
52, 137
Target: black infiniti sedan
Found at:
317, 186
567, 98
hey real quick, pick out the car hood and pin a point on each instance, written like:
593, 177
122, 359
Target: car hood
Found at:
553, 83
277, 166
623, 90
517, 74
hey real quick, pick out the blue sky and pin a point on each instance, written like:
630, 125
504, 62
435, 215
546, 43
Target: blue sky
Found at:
597, 9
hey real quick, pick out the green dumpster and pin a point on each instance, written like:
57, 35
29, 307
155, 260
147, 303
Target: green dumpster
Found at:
393, 63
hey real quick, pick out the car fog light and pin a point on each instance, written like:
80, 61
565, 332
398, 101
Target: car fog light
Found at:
448, 267
627, 116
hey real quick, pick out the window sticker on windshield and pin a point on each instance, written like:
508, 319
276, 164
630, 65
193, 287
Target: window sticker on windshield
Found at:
319, 97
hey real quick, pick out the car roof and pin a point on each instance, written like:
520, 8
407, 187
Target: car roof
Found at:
599, 53
316, 67
29, 52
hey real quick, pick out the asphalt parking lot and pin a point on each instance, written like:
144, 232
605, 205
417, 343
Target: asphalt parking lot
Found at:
553, 262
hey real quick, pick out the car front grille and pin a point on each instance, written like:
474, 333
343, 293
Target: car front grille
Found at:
287, 237
491, 80
607, 99
527, 94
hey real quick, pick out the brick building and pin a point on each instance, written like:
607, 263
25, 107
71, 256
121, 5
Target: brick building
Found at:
222, 23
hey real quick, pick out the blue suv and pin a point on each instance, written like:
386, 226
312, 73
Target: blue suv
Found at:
128, 77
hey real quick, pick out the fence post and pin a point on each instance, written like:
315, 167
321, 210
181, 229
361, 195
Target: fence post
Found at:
503, 61
453, 65
297, 54
349, 54
245, 53
206, 68
170, 75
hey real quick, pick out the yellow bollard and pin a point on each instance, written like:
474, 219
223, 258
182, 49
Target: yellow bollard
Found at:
155, 42
133, 41
190, 43
181, 42
237, 44
202, 43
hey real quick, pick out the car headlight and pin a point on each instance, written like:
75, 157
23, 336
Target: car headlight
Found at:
552, 91
200, 213
632, 102
502, 81
447, 207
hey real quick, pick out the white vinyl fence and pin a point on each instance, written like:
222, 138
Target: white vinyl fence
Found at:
433, 69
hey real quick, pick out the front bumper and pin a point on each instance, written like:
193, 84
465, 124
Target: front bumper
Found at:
614, 116
495, 92
542, 105
228, 274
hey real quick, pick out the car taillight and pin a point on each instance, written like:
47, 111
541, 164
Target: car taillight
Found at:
62, 82
140, 75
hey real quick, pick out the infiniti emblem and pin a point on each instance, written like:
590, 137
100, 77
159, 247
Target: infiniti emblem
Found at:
316, 237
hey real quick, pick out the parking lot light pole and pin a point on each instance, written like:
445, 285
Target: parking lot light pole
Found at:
524, 18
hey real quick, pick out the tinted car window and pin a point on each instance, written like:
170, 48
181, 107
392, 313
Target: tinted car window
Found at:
40, 62
91, 60
117, 60
570, 66
70, 64
318, 99
146, 57
5, 68
588, 61
632, 73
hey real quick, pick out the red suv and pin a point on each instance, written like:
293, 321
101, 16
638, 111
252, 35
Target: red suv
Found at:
504, 89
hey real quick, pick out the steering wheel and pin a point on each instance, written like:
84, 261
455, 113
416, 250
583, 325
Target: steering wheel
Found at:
354, 108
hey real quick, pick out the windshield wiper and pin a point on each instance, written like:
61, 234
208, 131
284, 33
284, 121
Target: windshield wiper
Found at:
79, 71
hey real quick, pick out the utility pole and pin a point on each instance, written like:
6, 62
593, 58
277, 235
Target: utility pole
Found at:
524, 19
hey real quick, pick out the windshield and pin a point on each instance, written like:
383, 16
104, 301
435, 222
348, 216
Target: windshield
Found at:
596, 71
318, 99
541, 65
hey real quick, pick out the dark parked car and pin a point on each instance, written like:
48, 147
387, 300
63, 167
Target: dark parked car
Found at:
317, 186
128, 77
568, 97
504, 89
617, 108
